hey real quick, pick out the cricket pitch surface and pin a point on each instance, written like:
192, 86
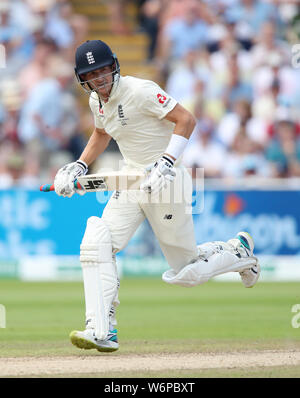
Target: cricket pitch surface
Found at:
214, 330
84, 365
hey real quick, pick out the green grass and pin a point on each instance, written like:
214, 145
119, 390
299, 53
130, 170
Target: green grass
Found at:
153, 317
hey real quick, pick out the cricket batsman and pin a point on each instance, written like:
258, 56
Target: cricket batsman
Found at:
152, 131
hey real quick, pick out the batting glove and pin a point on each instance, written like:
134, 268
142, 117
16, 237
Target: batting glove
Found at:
162, 172
65, 177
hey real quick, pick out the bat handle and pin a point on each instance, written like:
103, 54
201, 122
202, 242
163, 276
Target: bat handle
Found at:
47, 188
50, 188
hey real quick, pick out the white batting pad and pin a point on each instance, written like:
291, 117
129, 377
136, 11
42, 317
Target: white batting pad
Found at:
202, 270
99, 275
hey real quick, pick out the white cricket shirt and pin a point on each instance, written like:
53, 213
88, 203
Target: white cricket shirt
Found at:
134, 117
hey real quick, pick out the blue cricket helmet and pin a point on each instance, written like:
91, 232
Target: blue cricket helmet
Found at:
93, 55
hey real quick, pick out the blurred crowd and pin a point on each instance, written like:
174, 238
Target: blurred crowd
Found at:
230, 62
41, 120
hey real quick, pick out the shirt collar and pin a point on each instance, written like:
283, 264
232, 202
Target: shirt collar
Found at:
115, 89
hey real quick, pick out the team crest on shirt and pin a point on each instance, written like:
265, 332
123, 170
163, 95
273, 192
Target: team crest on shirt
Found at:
122, 118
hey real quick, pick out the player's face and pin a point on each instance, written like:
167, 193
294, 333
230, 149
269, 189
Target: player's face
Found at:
100, 80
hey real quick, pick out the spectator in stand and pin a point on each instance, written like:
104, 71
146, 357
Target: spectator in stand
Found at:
181, 35
8, 32
284, 150
268, 43
117, 16
117, 12
275, 70
216, 32
264, 106
282, 113
31, 171
235, 88
25, 12
36, 69
252, 14
58, 27
194, 79
39, 12
229, 50
241, 117
11, 101
245, 158
80, 26
11, 38
21, 15
19, 167
204, 151
11, 165
149, 21
49, 116
182, 81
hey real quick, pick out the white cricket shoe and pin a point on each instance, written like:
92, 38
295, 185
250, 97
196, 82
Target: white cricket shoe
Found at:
87, 340
244, 244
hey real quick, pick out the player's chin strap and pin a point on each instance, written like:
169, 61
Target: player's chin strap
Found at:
114, 87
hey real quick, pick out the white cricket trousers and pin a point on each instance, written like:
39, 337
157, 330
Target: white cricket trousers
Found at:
170, 217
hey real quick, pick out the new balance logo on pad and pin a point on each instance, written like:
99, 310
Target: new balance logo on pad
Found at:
168, 217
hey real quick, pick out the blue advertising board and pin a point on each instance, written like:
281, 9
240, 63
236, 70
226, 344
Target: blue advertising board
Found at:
35, 223
271, 217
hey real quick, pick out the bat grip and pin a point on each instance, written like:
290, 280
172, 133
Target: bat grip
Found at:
50, 188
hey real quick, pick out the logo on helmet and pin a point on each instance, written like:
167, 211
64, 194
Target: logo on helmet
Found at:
90, 57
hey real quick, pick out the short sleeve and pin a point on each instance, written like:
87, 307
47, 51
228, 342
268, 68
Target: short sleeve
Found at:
94, 105
151, 99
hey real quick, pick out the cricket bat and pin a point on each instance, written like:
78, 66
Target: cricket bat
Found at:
105, 181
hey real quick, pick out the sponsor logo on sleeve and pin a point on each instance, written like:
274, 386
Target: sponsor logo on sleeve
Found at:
162, 99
